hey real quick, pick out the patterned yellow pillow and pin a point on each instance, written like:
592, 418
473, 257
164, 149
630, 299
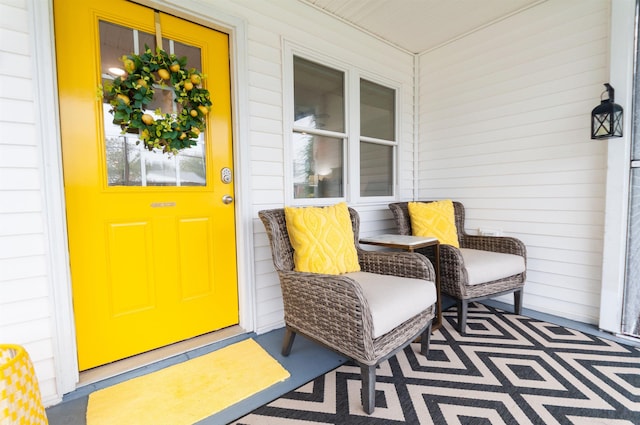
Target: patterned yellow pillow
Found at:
322, 239
435, 219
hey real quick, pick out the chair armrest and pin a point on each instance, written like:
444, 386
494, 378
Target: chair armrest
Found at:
330, 309
403, 264
453, 275
503, 244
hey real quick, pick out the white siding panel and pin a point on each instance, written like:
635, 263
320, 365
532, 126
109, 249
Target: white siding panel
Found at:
26, 332
17, 88
16, 133
13, 17
504, 128
266, 125
22, 268
24, 289
269, 97
272, 198
266, 111
264, 66
25, 301
265, 81
262, 253
17, 312
13, 41
267, 154
267, 182
12, 200
17, 111
20, 224
265, 139
21, 246
264, 168
14, 64
19, 179
18, 156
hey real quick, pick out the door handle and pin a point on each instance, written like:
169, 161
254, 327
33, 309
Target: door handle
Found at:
227, 199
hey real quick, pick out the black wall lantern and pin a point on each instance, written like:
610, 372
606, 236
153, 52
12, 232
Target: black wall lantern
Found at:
606, 118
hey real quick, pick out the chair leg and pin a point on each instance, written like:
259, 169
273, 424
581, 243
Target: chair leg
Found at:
517, 302
287, 341
425, 340
463, 306
368, 392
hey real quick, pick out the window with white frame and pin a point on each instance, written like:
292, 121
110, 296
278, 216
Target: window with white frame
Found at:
341, 132
377, 139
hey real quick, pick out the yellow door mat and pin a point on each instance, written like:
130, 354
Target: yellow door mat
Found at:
188, 392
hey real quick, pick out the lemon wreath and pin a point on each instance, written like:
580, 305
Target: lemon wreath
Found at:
130, 95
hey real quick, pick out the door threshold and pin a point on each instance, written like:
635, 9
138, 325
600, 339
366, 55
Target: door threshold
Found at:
109, 370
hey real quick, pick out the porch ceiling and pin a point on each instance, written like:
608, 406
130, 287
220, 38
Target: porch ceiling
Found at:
421, 25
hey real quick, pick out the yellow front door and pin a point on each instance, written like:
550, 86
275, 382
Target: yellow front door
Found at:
151, 242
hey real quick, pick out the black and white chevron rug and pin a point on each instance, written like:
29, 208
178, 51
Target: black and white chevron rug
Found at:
508, 370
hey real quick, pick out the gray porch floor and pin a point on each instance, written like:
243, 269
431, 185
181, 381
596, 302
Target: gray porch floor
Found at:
72, 410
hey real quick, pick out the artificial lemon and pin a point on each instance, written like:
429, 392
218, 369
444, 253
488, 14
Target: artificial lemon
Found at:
195, 79
193, 113
203, 109
195, 130
129, 65
175, 67
183, 136
164, 74
124, 98
147, 119
142, 82
188, 85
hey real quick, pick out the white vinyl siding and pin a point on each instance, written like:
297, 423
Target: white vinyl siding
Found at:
25, 298
504, 127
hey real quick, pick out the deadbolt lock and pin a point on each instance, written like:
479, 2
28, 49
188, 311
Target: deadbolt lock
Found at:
225, 175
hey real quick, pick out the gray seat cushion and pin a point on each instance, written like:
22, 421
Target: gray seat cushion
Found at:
392, 299
486, 266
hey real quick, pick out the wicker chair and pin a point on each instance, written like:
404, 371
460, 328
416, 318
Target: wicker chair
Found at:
335, 310
454, 273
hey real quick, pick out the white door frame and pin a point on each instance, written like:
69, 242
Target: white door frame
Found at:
46, 100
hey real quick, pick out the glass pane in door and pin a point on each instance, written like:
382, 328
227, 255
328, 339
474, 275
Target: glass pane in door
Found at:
128, 162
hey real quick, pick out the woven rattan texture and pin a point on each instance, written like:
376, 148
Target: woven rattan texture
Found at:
332, 309
453, 275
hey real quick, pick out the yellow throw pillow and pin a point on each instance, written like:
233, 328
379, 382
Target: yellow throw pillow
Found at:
435, 219
322, 239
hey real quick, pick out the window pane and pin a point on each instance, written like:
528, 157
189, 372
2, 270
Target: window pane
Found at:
376, 169
128, 162
191, 166
123, 160
160, 169
318, 96
377, 111
317, 166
